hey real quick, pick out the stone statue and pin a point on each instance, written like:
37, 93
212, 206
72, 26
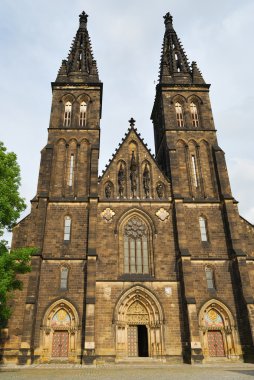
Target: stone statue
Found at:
133, 174
108, 190
160, 190
121, 180
146, 181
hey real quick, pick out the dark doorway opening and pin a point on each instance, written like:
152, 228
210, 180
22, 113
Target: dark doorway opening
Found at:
142, 341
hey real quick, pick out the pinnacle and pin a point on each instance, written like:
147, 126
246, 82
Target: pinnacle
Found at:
168, 20
83, 19
80, 64
174, 66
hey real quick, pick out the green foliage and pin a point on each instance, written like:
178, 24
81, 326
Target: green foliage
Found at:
11, 204
11, 264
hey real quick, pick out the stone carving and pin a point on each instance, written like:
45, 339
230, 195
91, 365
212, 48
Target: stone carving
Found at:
160, 190
107, 214
162, 214
168, 291
146, 181
135, 228
133, 174
137, 313
108, 190
121, 180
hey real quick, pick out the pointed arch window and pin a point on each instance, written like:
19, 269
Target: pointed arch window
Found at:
179, 114
71, 170
67, 114
136, 256
194, 170
203, 228
194, 115
64, 272
82, 114
209, 273
67, 228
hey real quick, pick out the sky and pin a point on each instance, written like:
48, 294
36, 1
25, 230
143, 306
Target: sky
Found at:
126, 39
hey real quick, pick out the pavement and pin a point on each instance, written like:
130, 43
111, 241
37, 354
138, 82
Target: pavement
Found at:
124, 372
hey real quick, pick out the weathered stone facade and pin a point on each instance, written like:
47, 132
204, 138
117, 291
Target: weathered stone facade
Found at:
152, 258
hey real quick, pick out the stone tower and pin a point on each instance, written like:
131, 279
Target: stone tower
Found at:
188, 152
150, 259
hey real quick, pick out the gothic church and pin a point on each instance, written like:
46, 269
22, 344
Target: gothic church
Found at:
149, 261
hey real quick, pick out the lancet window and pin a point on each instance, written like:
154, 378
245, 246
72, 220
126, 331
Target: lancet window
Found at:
194, 115
209, 273
67, 228
82, 114
71, 170
64, 278
194, 170
67, 114
203, 229
179, 114
136, 256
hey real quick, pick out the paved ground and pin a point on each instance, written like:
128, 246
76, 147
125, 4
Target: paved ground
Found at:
167, 372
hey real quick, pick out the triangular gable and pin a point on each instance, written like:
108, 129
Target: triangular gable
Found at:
133, 173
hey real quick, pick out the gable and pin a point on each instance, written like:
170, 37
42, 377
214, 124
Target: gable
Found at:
133, 173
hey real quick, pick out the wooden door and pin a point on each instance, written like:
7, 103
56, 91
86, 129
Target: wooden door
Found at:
215, 343
132, 341
60, 346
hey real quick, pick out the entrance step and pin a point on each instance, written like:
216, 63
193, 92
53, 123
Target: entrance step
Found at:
140, 361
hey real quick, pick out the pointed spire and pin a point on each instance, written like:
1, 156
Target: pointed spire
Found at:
80, 65
174, 66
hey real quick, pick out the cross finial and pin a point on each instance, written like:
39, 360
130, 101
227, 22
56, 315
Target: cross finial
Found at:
83, 19
168, 20
132, 122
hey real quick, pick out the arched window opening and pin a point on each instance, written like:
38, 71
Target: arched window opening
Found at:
82, 114
194, 115
203, 229
136, 247
67, 114
179, 114
71, 170
64, 278
194, 170
209, 273
67, 228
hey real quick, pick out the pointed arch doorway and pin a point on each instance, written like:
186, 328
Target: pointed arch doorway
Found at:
139, 322
218, 332
60, 332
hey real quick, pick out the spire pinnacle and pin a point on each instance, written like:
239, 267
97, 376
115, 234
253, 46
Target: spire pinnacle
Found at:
168, 20
174, 67
83, 19
80, 65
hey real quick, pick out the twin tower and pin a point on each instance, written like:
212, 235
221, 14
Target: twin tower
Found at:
150, 259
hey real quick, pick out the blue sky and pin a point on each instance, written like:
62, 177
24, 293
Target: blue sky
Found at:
126, 38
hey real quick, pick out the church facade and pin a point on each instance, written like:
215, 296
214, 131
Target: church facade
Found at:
149, 260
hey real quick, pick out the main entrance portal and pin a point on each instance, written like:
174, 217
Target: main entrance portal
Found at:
137, 341
139, 324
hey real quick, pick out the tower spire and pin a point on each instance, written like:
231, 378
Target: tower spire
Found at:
80, 65
174, 65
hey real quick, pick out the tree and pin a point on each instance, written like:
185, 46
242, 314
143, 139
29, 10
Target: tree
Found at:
11, 204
